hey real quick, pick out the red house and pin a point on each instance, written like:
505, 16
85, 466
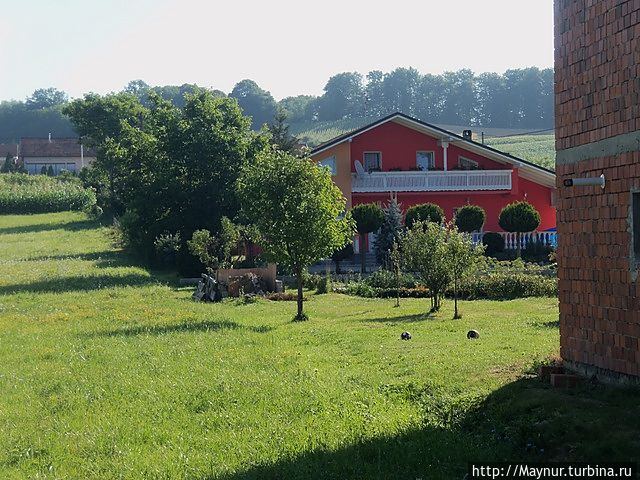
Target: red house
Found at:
422, 163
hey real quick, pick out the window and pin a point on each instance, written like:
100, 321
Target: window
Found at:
466, 164
425, 160
372, 161
330, 163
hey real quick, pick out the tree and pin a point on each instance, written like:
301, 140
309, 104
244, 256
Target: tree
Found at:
50, 171
296, 208
43, 170
298, 109
424, 211
390, 233
9, 164
343, 97
254, 102
424, 248
368, 218
44, 98
342, 254
462, 257
470, 218
519, 217
280, 135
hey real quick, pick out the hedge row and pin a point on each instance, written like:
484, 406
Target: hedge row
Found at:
21, 193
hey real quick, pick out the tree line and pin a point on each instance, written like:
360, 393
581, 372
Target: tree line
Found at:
517, 98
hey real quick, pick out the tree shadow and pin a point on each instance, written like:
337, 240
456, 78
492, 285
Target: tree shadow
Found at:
79, 283
104, 259
523, 421
417, 317
46, 227
206, 326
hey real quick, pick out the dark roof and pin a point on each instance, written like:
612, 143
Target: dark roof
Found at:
8, 148
353, 133
56, 147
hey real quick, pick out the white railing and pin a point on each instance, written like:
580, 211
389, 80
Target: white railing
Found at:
511, 239
431, 181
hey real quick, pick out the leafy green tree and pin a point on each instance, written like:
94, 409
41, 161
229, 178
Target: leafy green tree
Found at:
296, 207
298, 109
44, 98
254, 102
462, 256
369, 218
390, 233
470, 218
519, 217
424, 211
280, 135
343, 97
216, 251
424, 249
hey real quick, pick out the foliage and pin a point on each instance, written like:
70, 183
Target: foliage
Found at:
390, 232
539, 149
362, 289
519, 217
295, 206
44, 98
280, 136
426, 212
387, 279
282, 297
254, 102
342, 254
215, 251
425, 252
172, 169
167, 246
368, 218
22, 193
470, 218
493, 242
501, 285
324, 285
12, 165
462, 257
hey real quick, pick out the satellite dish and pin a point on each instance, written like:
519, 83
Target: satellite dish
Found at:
359, 168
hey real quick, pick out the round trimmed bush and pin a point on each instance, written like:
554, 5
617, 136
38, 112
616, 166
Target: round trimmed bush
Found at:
470, 218
519, 217
425, 212
494, 243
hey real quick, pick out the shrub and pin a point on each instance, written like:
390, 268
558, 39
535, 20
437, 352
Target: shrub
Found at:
508, 285
387, 279
494, 243
369, 218
282, 297
167, 247
470, 218
519, 217
361, 289
23, 194
342, 254
322, 286
425, 212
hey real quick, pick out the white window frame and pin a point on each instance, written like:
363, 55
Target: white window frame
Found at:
461, 159
364, 161
432, 164
330, 163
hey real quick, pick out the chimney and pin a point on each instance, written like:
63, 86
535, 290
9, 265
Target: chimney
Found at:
467, 134
49, 137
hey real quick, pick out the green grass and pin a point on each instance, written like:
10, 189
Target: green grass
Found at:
107, 370
539, 149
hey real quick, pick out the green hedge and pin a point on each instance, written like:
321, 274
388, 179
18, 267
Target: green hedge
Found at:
508, 285
22, 193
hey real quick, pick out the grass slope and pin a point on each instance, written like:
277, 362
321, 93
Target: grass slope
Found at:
108, 371
539, 149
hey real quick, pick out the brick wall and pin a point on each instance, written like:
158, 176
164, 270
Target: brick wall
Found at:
597, 56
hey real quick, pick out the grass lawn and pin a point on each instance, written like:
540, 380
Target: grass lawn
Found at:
108, 370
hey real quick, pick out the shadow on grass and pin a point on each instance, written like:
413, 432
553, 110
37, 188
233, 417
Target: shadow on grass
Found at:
79, 283
417, 317
206, 326
525, 421
46, 227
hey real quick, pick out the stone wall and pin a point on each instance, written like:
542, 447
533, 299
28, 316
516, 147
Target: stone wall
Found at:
597, 59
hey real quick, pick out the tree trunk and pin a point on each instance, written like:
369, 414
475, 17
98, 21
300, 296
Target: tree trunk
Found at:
455, 299
363, 254
299, 275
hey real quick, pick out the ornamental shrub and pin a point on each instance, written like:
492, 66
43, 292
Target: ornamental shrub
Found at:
470, 218
494, 243
427, 212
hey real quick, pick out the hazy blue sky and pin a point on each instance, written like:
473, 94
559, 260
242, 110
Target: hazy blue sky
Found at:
289, 47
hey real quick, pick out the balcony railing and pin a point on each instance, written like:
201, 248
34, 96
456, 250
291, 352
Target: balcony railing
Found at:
432, 181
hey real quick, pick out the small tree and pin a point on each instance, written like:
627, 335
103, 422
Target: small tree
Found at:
427, 212
395, 258
470, 218
50, 171
519, 217
424, 249
280, 135
342, 254
390, 233
462, 256
43, 170
296, 208
7, 166
368, 218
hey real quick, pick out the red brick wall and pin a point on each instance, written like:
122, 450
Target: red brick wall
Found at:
597, 59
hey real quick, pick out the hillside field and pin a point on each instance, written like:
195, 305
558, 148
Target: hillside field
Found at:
109, 370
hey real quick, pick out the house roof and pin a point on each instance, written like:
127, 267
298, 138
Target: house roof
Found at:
528, 169
8, 148
56, 147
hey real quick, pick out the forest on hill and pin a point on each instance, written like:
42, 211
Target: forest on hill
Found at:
517, 98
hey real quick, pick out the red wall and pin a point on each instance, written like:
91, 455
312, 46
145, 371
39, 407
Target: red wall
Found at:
399, 145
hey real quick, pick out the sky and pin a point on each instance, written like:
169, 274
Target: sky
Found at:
289, 47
